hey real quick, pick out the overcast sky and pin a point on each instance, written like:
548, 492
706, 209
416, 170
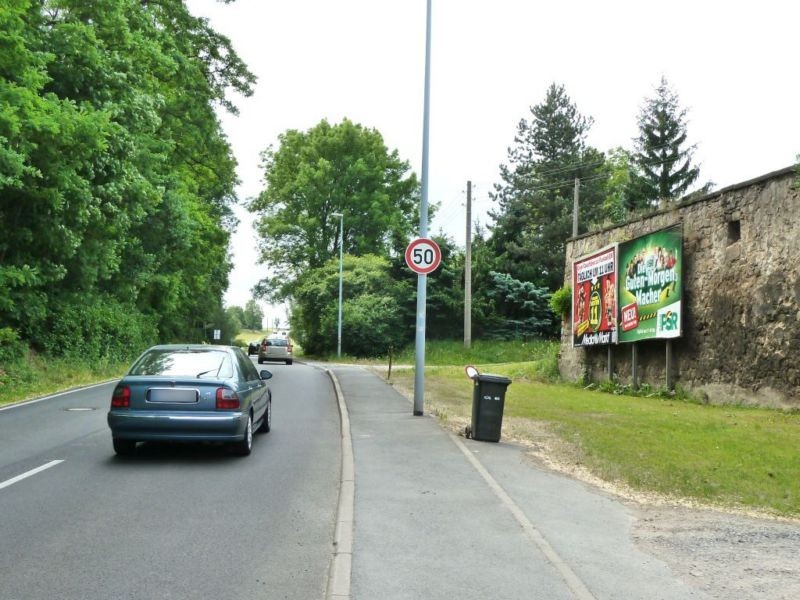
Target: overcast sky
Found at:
733, 64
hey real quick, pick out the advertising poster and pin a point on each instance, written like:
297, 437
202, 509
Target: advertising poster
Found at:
594, 298
650, 287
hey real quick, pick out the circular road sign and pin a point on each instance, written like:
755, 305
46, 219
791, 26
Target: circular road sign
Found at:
423, 256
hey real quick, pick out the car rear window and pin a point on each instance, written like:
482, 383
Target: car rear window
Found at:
211, 364
277, 342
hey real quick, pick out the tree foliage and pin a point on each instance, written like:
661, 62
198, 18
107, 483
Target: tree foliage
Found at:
252, 315
662, 158
343, 168
115, 177
372, 315
533, 218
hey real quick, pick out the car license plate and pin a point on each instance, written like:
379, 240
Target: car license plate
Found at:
172, 395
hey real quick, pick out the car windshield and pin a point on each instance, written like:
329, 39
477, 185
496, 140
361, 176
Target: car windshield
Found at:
277, 342
213, 364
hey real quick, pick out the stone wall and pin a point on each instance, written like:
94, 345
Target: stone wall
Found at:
741, 273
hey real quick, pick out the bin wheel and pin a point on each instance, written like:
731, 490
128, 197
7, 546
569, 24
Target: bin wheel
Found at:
468, 432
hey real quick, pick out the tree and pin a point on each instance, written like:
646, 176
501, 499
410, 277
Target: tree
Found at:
115, 176
534, 215
525, 308
343, 168
253, 316
662, 160
372, 315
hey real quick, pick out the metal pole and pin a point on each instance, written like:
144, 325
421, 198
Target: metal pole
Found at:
635, 366
468, 273
341, 250
341, 245
422, 280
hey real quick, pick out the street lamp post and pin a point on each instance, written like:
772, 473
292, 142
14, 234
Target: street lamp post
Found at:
341, 237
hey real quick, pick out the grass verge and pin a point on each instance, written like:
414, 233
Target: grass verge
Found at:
34, 375
723, 456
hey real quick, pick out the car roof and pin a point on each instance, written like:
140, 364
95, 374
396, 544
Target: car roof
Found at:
193, 347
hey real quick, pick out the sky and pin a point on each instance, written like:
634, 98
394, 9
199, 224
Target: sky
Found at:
733, 64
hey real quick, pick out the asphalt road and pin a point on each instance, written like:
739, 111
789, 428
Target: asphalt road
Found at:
174, 521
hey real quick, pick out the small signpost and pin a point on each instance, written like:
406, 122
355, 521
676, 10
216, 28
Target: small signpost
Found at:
423, 256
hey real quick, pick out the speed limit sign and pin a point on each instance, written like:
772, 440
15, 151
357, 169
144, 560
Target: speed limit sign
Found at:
423, 256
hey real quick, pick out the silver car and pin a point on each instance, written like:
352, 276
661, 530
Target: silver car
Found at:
275, 348
191, 393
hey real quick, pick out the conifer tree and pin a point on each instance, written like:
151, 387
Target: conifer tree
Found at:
662, 160
533, 219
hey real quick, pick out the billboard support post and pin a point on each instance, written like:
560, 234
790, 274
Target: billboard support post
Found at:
670, 379
635, 365
610, 363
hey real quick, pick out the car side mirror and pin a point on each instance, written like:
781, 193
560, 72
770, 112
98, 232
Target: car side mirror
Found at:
265, 374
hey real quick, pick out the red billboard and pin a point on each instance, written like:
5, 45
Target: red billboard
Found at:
594, 298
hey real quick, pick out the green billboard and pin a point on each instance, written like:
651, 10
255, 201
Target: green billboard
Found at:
650, 286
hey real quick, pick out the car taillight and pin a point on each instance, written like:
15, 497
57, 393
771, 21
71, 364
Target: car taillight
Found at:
121, 397
290, 347
227, 399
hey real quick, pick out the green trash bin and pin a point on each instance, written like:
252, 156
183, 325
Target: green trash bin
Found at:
488, 400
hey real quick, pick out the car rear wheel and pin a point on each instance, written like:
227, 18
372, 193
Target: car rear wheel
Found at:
266, 424
244, 447
288, 362
124, 447
260, 360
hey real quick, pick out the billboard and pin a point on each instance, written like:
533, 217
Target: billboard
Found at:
594, 298
650, 286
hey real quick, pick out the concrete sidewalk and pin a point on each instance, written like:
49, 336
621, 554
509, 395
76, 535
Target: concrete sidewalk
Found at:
440, 517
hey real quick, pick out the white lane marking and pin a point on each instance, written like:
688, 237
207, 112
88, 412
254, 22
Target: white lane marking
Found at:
75, 391
14, 480
577, 586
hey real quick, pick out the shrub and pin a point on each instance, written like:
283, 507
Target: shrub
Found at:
561, 302
96, 329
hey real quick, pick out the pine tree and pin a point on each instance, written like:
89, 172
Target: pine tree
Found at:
534, 215
662, 160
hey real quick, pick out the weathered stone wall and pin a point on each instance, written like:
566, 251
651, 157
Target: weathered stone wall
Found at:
741, 273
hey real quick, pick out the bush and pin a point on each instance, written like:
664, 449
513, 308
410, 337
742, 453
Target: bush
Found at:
11, 349
371, 324
96, 329
561, 302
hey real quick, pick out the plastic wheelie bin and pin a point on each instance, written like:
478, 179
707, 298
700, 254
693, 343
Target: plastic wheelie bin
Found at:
488, 400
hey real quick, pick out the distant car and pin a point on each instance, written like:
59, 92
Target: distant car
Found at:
191, 393
275, 348
252, 347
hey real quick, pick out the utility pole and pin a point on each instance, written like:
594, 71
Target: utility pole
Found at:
575, 207
468, 273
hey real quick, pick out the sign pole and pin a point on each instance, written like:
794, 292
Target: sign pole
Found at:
422, 280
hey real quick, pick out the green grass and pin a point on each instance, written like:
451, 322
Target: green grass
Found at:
34, 376
441, 353
716, 455
245, 336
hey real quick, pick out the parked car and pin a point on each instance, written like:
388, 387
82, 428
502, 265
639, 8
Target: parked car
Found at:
191, 393
275, 348
252, 347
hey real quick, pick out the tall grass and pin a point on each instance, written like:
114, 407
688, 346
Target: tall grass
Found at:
33, 375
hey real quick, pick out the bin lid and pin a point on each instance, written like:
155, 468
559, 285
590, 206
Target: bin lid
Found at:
489, 378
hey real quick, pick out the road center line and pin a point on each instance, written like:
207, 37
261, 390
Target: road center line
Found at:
14, 480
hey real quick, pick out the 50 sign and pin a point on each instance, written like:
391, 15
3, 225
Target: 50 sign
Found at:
423, 256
